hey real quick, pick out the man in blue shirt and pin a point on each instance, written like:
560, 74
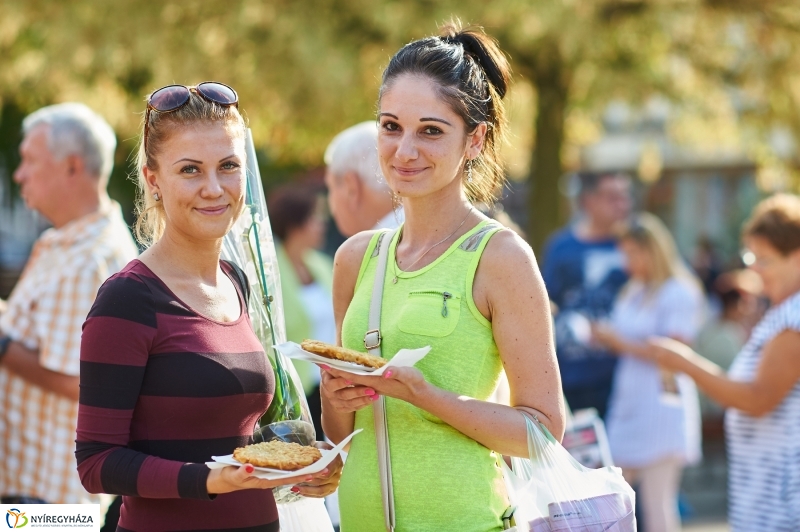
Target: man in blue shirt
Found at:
583, 271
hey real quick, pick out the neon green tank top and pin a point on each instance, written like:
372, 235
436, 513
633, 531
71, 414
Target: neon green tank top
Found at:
443, 480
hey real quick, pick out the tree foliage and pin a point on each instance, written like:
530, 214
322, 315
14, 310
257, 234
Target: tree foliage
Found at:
305, 70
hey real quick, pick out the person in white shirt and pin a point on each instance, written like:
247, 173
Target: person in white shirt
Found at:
653, 417
358, 196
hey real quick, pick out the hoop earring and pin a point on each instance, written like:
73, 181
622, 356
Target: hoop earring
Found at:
156, 196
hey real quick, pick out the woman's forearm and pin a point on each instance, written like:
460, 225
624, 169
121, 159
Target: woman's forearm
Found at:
632, 348
714, 382
498, 427
337, 425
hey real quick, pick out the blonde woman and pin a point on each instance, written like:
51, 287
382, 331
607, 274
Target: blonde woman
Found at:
653, 418
172, 372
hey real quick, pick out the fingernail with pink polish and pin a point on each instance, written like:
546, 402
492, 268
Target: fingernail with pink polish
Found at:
249, 468
295, 489
375, 397
325, 367
309, 478
388, 374
349, 383
369, 392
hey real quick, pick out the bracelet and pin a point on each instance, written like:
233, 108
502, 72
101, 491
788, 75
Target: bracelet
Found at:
5, 341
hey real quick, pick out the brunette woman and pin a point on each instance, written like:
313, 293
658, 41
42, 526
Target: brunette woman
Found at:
455, 281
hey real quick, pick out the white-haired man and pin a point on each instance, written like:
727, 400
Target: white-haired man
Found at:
67, 154
358, 195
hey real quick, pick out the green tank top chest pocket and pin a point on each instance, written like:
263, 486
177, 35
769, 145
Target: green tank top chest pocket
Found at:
430, 313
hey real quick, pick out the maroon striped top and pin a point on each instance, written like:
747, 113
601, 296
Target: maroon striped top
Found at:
162, 390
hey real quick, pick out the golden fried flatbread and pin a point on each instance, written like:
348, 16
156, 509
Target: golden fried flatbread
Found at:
277, 455
343, 354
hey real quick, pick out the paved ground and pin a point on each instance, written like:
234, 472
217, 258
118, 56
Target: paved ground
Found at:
704, 487
706, 527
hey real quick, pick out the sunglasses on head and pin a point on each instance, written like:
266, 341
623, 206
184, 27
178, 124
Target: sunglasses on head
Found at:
173, 97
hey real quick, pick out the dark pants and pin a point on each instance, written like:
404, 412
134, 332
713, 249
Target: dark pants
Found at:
112, 515
595, 396
314, 400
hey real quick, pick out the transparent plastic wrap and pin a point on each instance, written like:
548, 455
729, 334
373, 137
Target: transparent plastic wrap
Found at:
250, 245
552, 492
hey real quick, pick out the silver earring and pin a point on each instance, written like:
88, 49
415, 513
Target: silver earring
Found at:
469, 170
156, 196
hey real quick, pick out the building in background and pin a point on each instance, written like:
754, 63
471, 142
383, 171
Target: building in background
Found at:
703, 193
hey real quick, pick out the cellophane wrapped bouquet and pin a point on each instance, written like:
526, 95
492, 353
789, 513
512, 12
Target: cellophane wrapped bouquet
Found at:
250, 245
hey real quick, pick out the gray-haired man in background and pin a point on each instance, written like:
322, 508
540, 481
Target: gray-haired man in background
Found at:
358, 195
66, 159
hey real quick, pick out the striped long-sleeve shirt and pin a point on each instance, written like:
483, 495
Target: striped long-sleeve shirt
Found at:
162, 390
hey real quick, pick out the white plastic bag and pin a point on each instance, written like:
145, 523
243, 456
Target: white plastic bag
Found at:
306, 514
554, 493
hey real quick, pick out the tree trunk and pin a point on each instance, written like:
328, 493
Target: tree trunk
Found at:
552, 78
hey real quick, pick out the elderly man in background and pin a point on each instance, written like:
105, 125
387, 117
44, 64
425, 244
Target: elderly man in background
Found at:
66, 159
358, 195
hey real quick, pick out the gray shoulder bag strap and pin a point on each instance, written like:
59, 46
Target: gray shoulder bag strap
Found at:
372, 342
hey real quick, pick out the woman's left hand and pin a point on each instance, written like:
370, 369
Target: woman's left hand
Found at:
404, 383
327, 482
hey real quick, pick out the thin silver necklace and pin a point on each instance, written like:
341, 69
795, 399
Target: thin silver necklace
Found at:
445, 239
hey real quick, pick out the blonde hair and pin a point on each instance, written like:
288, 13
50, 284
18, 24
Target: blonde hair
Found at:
150, 220
650, 234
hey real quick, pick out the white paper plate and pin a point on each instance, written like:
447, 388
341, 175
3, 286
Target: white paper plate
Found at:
274, 474
403, 358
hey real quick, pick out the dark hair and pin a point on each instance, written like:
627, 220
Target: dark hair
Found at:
291, 206
776, 220
473, 76
589, 182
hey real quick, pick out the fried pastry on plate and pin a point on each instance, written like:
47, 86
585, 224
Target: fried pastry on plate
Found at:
277, 455
343, 354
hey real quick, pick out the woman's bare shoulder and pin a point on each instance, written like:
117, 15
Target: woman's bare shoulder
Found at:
507, 251
352, 251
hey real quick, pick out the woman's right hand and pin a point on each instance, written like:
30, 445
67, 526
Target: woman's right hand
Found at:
344, 396
228, 479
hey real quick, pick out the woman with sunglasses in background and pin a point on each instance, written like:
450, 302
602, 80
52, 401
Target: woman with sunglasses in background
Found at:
762, 388
171, 370
653, 418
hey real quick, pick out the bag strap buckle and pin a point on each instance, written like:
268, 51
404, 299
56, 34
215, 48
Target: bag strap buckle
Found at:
508, 518
372, 339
